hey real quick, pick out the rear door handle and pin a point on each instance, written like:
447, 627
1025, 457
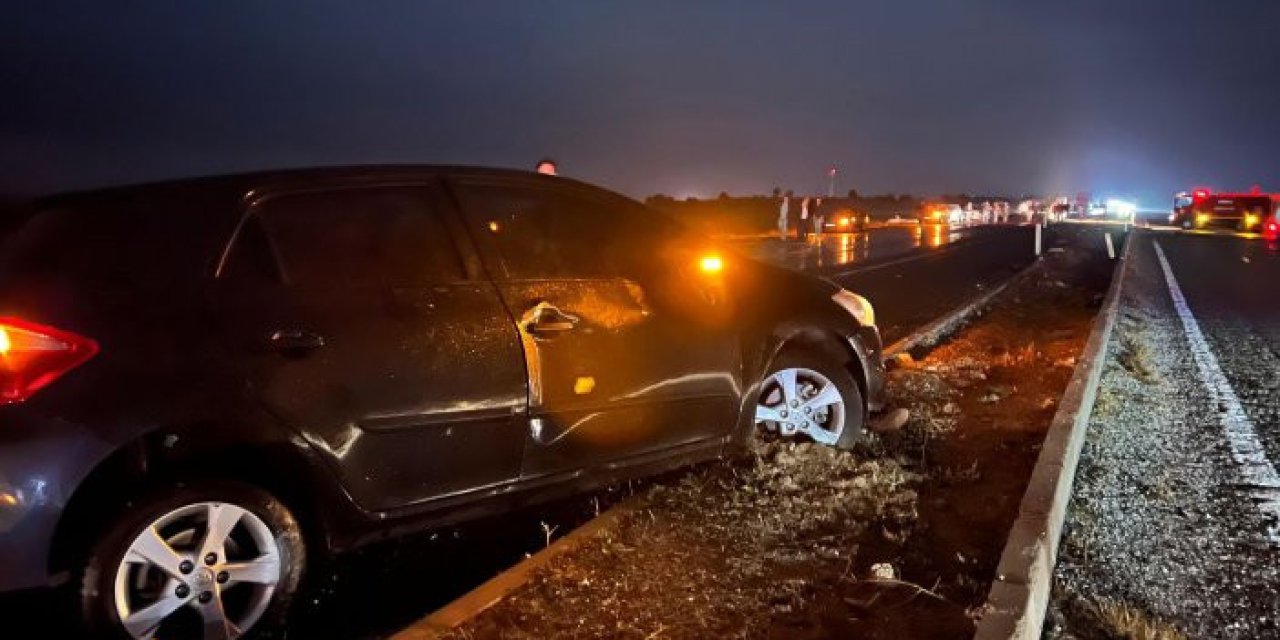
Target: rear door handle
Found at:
295, 341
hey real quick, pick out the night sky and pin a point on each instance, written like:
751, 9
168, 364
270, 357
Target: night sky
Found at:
680, 97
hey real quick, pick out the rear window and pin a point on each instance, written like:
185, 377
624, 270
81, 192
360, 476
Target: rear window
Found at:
126, 242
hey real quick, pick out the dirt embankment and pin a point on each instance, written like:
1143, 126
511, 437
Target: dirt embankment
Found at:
898, 539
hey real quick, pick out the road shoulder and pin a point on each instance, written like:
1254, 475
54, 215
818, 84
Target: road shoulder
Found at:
1161, 538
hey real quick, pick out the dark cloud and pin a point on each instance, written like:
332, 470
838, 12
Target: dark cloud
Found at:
667, 96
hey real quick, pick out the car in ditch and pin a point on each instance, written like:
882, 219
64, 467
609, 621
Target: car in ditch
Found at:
205, 383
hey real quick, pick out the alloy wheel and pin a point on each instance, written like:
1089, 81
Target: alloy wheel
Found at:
801, 400
207, 569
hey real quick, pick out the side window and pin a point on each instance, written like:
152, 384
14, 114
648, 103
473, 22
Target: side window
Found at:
351, 238
544, 233
643, 226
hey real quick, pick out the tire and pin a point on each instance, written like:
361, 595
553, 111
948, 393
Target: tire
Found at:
813, 370
265, 543
1187, 224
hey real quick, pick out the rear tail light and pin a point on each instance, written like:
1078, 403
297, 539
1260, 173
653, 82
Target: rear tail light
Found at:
32, 356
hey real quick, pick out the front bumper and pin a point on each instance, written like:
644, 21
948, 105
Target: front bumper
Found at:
41, 462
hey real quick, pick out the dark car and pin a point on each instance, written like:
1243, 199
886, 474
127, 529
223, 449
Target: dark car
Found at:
205, 382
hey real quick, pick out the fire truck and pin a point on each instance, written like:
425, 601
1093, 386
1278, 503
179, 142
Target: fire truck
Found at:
1201, 208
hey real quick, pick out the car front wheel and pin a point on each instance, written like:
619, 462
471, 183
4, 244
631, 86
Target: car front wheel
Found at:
812, 395
207, 561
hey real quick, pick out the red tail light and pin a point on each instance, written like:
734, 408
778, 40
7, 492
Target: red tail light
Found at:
33, 355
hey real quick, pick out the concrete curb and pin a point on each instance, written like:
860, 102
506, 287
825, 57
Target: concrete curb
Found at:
1019, 596
938, 330
454, 614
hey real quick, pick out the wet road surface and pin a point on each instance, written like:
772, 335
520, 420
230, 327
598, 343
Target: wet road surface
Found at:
836, 250
910, 290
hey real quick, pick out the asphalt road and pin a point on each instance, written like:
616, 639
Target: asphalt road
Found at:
912, 290
836, 250
1232, 286
911, 275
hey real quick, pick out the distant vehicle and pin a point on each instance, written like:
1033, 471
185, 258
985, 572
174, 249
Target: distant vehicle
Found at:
948, 214
205, 383
845, 222
1243, 211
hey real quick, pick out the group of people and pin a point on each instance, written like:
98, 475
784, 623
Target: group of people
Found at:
810, 218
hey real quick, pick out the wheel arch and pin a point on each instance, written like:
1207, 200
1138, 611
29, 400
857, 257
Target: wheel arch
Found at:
790, 334
140, 465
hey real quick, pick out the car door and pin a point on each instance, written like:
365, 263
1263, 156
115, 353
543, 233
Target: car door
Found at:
363, 329
622, 361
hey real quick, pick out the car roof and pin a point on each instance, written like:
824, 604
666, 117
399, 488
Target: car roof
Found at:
239, 184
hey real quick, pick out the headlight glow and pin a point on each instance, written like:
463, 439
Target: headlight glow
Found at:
711, 264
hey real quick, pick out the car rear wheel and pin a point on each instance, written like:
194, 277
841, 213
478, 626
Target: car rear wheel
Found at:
811, 395
209, 561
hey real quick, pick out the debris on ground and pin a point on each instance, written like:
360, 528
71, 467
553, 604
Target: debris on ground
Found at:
892, 420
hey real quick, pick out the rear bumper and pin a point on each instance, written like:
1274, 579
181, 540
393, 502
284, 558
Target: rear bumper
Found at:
41, 462
866, 343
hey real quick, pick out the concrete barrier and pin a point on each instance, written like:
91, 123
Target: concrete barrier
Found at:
1019, 596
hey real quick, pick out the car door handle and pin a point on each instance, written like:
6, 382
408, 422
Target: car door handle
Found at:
546, 321
295, 341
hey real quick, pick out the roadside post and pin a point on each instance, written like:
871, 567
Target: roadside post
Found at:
1038, 239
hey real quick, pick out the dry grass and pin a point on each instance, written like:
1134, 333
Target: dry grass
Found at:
1104, 407
1135, 356
1123, 622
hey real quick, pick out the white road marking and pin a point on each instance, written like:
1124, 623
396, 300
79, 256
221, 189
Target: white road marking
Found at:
1258, 473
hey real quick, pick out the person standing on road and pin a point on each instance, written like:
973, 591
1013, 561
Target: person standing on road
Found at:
803, 226
783, 212
819, 219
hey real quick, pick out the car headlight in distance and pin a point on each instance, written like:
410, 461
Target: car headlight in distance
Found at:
857, 306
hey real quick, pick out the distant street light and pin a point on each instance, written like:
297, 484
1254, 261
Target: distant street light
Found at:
831, 182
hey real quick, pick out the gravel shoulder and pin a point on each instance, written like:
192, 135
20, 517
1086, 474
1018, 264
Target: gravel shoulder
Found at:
897, 539
1162, 540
